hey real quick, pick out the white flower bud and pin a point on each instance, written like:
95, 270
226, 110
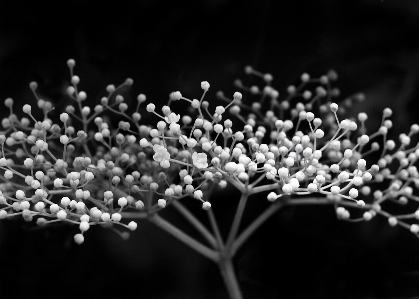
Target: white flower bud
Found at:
206, 205
353, 193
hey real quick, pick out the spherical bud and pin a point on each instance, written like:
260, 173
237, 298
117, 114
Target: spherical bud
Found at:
116, 217
85, 111
414, 228
343, 176
362, 117
84, 226
85, 217
218, 128
79, 193
80, 206
357, 181
82, 96
176, 95
39, 192
8, 102
8, 174
161, 203
141, 98
237, 96
206, 205
348, 153
283, 172
230, 167
367, 216
188, 179
392, 221
169, 192
307, 94
414, 128
287, 188
219, 110
364, 139
334, 168
195, 103
360, 203
151, 107
335, 190
116, 180
319, 133
305, 77
353, 193
387, 112
54, 208
198, 194
205, 85
334, 107
191, 142
342, 213
139, 204
312, 187
309, 116
344, 124
28, 162
20, 194
320, 179
61, 215
132, 226
64, 139
307, 152
39, 206
105, 217
3, 162
27, 109
122, 202
65, 201
289, 161
79, 239
272, 196
39, 175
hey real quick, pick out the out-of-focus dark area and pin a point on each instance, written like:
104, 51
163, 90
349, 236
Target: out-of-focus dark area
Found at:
167, 45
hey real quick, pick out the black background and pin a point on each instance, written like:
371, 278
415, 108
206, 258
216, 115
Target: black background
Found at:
174, 45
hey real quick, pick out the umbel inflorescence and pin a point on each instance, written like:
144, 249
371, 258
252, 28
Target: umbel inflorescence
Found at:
75, 166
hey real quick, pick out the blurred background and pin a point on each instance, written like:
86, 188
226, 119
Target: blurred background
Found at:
168, 45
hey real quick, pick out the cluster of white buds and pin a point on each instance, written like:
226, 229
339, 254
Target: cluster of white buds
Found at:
83, 167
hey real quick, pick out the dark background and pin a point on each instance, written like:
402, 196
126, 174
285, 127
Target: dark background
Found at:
174, 45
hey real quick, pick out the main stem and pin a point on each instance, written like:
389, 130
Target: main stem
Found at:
225, 262
229, 277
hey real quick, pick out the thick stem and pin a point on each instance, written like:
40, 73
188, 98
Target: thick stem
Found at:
230, 280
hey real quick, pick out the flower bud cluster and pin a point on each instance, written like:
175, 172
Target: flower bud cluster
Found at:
100, 165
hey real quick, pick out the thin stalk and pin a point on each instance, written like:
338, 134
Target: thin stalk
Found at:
195, 223
264, 188
272, 209
216, 229
184, 238
236, 222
